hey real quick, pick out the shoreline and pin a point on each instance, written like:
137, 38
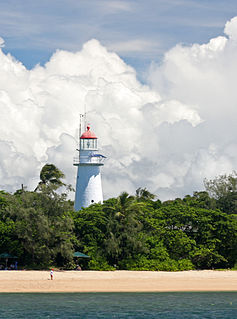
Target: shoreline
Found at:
34, 281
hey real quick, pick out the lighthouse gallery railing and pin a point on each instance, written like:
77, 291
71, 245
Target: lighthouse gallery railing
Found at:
94, 159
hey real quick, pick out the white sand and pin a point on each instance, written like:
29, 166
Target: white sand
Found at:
117, 281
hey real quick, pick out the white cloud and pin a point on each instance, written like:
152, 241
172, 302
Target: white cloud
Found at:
167, 136
203, 76
231, 28
135, 45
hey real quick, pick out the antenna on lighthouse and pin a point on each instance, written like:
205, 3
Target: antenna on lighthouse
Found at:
80, 125
80, 129
85, 124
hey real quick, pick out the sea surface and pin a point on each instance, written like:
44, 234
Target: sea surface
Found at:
177, 305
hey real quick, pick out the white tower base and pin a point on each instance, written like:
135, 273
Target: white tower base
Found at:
88, 186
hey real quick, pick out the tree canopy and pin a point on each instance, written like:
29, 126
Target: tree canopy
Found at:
135, 232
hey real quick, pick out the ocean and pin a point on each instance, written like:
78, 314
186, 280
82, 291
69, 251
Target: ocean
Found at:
177, 305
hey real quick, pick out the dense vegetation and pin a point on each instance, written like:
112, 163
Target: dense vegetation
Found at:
127, 232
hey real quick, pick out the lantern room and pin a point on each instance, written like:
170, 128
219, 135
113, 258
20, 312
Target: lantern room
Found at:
88, 140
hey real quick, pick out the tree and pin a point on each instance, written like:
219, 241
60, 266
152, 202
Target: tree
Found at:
224, 189
50, 175
201, 200
228, 203
142, 194
221, 185
90, 232
133, 232
8, 238
43, 226
189, 232
124, 228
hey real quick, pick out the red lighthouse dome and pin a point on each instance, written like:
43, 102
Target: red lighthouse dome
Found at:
88, 134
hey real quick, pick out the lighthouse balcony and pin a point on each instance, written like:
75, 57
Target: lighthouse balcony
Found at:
96, 159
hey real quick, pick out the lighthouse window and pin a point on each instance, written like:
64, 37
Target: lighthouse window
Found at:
82, 144
88, 143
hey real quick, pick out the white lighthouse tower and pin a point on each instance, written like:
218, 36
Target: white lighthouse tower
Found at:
88, 184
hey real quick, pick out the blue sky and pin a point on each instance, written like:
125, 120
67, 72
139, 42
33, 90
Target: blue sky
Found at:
139, 31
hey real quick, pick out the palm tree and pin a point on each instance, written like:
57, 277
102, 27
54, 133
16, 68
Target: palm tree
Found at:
123, 228
50, 175
142, 194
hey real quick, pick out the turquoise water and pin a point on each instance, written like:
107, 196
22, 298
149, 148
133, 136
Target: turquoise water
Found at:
119, 305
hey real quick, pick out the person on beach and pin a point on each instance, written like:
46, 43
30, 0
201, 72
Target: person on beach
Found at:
51, 274
78, 267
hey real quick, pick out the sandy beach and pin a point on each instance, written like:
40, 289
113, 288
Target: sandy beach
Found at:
117, 281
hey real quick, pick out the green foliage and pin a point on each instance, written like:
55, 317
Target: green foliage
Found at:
132, 233
100, 263
127, 232
50, 175
228, 203
42, 225
221, 185
123, 238
235, 266
200, 200
223, 189
204, 258
142, 263
37, 226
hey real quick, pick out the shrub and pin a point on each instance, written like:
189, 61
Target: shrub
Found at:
99, 264
143, 263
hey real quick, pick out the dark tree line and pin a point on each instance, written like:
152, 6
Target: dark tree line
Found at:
128, 232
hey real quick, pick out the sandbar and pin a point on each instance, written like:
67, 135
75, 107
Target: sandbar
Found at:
117, 281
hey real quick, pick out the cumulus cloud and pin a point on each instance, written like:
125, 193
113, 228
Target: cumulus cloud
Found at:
203, 76
167, 135
231, 28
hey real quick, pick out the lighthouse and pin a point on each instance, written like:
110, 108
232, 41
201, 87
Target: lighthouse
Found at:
89, 162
